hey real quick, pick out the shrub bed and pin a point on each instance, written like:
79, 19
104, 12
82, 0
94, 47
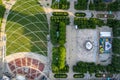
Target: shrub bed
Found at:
60, 75
100, 15
78, 14
110, 16
78, 75
98, 75
60, 14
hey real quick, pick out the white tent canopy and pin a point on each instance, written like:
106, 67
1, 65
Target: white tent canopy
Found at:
20, 77
105, 34
5, 78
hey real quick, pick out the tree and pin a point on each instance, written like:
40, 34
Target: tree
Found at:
91, 6
81, 5
62, 35
62, 56
58, 59
54, 68
53, 34
113, 6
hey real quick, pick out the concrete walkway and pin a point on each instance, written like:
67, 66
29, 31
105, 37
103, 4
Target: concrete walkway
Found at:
8, 6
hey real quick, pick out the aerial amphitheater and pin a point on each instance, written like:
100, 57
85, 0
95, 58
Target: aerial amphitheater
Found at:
59, 39
26, 40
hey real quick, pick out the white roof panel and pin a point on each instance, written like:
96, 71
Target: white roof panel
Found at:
105, 34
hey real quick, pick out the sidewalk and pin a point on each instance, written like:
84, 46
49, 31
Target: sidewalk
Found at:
8, 6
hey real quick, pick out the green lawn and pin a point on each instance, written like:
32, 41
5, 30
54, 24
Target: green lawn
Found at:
0, 1
27, 28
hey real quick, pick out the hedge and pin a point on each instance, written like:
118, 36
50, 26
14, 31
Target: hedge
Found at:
103, 15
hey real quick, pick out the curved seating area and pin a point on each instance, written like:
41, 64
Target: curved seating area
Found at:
29, 67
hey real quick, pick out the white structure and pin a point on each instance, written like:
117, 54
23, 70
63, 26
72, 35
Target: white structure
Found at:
105, 34
88, 45
20, 77
108, 46
5, 78
76, 26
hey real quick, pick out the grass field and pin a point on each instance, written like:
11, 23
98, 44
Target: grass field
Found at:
27, 28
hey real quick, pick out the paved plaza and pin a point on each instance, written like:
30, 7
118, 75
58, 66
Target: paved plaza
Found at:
82, 53
76, 50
